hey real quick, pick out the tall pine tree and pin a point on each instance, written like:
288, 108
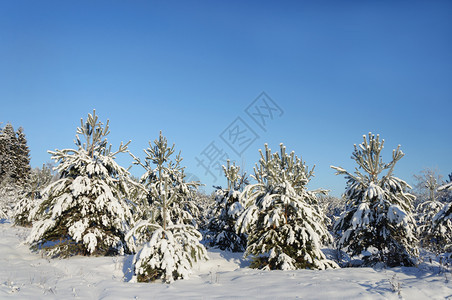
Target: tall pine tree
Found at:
8, 144
23, 168
14, 168
284, 223
377, 220
85, 211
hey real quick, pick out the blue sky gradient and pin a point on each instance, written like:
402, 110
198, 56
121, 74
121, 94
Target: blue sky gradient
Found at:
189, 68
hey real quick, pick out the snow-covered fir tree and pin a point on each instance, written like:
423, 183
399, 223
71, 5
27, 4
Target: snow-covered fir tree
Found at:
14, 157
283, 221
377, 220
9, 192
137, 199
40, 178
8, 143
181, 211
332, 208
446, 188
206, 206
429, 205
425, 186
23, 168
14, 168
442, 223
85, 211
167, 242
228, 208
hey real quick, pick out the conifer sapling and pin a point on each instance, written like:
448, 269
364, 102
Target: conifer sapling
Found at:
85, 211
283, 221
228, 209
377, 221
168, 243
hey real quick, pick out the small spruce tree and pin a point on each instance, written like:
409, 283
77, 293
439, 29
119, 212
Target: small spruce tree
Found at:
9, 193
85, 211
442, 223
332, 208
377, 220
40, 178
283, 221
169, 243
206, 206
228, 208
429, 205
425, 186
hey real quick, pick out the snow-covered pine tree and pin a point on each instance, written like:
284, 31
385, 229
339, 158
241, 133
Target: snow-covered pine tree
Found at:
9, 193
181, 211
10, 181
442, 222
8, 143
446, 187
206, 205
23, 168
445, 190
283, 221
84, 212
429, 205
332, 208
377, 220
137, 199
20, 177
15, 157
228, 208
40, 178
425, 186
169, 243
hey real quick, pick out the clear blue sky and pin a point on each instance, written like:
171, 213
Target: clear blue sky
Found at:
335, 69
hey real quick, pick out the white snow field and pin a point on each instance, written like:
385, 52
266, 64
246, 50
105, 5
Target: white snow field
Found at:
27, 275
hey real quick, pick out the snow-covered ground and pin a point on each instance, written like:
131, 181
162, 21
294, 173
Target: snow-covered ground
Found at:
27, 275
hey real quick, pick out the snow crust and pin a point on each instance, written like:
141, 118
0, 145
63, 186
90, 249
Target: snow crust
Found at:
26, 275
